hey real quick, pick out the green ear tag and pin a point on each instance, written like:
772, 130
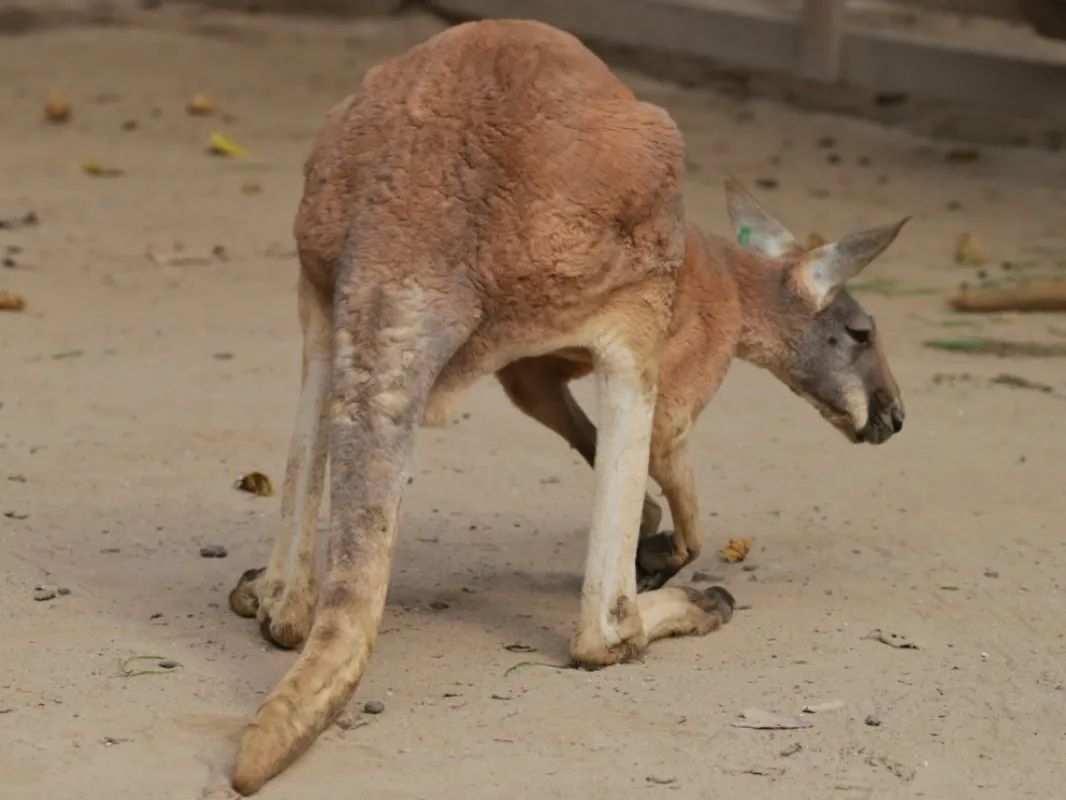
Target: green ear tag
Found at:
744, 237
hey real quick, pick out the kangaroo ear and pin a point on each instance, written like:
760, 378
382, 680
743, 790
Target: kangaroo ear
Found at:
755, 228
824, 271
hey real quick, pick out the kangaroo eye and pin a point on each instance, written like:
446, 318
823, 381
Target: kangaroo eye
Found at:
861, 336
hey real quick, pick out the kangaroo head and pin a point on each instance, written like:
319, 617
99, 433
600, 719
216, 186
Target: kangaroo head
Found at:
807, 330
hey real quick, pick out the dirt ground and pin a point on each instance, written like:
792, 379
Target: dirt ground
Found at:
132, 394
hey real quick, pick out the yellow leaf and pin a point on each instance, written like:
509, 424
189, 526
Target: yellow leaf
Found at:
200, 105
98, 170
57, 109
968, 251
256, 483
736, 550
224, 146
815, 240
9, 301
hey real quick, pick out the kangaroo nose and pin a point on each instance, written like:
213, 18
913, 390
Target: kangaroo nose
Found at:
897, 419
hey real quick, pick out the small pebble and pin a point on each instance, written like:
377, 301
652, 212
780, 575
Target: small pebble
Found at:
63, 590
213, 551
872, 721
991, 573
42, 593
791, 750
168, 663
374, 707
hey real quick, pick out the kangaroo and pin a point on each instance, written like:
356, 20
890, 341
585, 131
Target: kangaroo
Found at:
496, 201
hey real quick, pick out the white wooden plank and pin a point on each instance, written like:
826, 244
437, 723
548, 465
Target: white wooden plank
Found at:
761, 38
821, 31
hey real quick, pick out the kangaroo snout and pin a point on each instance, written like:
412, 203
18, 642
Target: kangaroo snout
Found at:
884, 421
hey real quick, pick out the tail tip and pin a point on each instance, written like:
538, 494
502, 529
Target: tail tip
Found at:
247, 781
254, 765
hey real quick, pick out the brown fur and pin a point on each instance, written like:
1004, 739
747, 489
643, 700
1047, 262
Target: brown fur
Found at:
496, 201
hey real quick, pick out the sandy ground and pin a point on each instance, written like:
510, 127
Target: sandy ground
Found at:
133, 394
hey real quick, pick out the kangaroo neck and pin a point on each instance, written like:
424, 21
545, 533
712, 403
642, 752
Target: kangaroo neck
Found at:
756, 289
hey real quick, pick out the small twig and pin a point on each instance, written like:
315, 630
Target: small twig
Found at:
521, 664
126, 672
1043, 296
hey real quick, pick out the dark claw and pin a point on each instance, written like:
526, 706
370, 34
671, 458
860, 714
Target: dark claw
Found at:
243, 599
723, 602
723, 594
654, 554
251, 574
716, 601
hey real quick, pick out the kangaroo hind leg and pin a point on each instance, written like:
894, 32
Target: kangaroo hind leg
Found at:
283, 594
390, 342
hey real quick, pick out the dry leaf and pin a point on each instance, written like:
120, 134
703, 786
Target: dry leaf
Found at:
224, 146
256, 483
9, 301
770, 772
57, 109
963, 155
818, 708
1018, 382
178, 256
736, 550
891, 639
968, 251
769, 720
98, 170
660, 780
200, 105
27, 220
815, 240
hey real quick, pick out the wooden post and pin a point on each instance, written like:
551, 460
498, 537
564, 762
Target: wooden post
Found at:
821, 29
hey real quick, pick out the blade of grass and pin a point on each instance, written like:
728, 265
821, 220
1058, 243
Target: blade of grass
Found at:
126, 671
888, 287
521, 664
